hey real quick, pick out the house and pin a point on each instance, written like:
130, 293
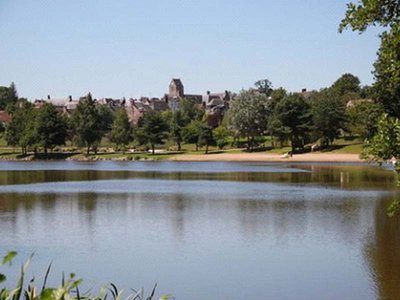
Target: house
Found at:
135, 110
62, 105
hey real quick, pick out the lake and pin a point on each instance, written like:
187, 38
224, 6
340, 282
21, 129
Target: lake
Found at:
206, 230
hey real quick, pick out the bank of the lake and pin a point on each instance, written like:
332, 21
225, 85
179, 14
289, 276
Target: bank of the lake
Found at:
195, 156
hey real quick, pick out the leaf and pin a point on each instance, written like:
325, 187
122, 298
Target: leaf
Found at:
8, 258
166, 297
2, 278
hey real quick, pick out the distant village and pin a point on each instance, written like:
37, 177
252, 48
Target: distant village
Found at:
214, 104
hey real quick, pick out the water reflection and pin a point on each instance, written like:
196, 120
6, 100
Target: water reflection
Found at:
254, 233
382, 253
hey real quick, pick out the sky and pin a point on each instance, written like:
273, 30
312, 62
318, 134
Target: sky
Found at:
133, 48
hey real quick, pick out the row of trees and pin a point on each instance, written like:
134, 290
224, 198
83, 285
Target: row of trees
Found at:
45, 128
299, 119
289, 118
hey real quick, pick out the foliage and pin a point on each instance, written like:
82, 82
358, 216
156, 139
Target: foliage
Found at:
121, 130
221, 135
384, 146
21, 130
191, 133
346, 84
50, 128
205, 137
8, 96
248, 115
264, 86
176, 124
154, 129
67, 290
293, 114
87, 125
328, 112
386, 14
106, 117
363, 118
189, 111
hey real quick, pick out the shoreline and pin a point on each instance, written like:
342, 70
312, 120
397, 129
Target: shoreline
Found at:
213, 157
269, 157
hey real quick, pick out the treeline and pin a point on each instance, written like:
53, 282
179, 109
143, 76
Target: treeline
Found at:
295, 119
298, 119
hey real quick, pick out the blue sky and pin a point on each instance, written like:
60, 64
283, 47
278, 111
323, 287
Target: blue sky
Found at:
133, 48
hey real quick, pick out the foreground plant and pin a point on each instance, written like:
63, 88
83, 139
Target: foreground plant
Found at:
67, 290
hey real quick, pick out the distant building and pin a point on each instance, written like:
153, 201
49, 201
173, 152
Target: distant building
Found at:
62, 105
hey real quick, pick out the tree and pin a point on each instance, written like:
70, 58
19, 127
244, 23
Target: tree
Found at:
106, 117
329, 116
50, 127
8, 96
87, 124
264, 86
176, 124
121, 130
154, 128
191, 133
384, 13
205, 137
248, 115
346, 84
189, 111
295, 118
221, 135
21, 126
363, 118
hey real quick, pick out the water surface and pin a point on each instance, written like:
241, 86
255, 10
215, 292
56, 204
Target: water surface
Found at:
208, 230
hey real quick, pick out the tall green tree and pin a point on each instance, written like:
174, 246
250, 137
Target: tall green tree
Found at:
206, 137
8, 96
221, 135
176, 124
363, 118
294, 115
87, 124
21, 126
386, 14
189, 111
346, 84
154, 129
51, 128
248, 115
121, 131
191, 133
329, 115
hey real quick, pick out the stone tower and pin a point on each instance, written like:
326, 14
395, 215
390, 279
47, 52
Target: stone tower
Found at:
176, 88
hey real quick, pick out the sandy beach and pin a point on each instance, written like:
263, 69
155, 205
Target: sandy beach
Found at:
269, 157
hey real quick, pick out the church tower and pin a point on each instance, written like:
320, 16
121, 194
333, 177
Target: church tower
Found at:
176, 88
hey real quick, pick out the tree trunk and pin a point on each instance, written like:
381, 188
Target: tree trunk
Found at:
206, 148
197, 147
292, 142
179, 146
152, 149
88, 150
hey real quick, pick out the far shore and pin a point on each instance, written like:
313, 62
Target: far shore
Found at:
198, 157
270, 157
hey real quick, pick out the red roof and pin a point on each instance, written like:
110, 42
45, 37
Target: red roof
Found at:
4, 117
